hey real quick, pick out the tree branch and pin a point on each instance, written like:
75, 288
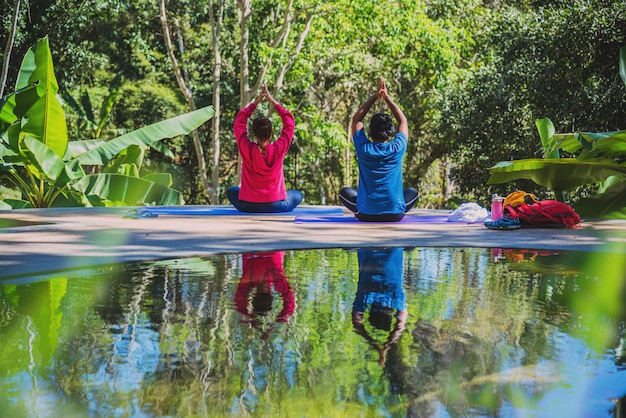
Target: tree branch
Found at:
9, 47
170, 52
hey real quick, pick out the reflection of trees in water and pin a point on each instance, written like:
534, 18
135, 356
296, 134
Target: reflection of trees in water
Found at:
468, 327
445, 358
7, 311
203, 355
194, 339
157, 324
173, 342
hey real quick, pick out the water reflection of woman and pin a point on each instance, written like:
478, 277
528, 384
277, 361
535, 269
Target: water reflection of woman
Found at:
381, 293
263, 275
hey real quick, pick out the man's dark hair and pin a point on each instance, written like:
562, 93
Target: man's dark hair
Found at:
381, 127
381, 317
262, 128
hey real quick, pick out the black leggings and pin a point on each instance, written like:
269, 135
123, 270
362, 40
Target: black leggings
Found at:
347, 195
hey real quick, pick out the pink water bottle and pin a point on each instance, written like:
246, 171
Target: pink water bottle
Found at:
496, 207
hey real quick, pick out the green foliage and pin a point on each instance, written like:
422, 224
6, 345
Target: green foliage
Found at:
599, 157
471, 76
351, 45
34, 145
144, 102
314, 159
92, 123
532, 64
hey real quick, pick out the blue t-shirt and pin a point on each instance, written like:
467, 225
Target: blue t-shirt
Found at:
380, 189
380, 279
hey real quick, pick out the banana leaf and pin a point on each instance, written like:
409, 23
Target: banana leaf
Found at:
48, 164
8, 204
163, 149
78, 148
607, 144
610, 181
608, 205
78, 109
164, 179
546, 131
12, 108
8, 154
120, 190
109, 101
46, 118
179, 125
132, 155
556, 174
84, 110
610, 146
10, 111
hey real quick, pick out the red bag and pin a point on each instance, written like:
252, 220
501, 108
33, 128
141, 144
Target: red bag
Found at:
544, 213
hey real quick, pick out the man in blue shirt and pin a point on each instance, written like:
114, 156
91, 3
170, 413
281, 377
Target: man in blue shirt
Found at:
380, 196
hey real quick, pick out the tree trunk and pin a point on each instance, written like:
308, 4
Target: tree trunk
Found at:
247, 93
280, 79
9, 47
245, 9
183, 82
347, 155
216, 28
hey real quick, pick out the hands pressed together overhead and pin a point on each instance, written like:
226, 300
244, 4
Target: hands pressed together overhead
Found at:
382, 92
265, 94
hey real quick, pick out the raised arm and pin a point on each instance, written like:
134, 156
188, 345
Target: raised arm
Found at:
240, 127
403, 125
357, 119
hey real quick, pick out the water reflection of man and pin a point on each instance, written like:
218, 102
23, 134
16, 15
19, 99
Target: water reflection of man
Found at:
380, 290
263, 275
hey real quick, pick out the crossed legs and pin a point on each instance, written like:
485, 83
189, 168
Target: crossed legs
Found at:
348, 195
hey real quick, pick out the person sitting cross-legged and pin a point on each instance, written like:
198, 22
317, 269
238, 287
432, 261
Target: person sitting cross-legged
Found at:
262, 186
380, 196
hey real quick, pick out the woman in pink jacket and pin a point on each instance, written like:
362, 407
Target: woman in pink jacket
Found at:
262, 186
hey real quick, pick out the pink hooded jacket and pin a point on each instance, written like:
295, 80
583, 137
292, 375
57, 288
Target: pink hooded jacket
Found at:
262, 177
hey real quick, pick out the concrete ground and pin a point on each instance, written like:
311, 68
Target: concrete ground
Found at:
69, 238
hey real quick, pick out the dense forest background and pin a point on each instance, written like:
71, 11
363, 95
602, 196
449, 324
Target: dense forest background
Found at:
472, 77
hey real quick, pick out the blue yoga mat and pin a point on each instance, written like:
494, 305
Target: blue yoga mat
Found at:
207, 210
432, 219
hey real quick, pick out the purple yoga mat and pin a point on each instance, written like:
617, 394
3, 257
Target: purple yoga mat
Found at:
431, 219
207, 210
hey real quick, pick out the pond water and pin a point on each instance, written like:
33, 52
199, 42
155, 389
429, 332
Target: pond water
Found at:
417, 332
